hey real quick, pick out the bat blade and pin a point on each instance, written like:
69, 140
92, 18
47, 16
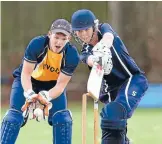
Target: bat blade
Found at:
95, 80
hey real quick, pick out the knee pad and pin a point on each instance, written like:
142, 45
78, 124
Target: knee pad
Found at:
62, 127
11, 125
50, 120
113, 136
113, 116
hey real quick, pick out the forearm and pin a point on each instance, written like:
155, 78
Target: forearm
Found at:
56, 91
26, 81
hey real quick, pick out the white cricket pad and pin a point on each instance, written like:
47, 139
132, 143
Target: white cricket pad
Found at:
95, 80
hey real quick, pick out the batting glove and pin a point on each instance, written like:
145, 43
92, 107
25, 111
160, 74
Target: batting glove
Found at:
100, 50
92, 59
103, 51
105, 43
107, 64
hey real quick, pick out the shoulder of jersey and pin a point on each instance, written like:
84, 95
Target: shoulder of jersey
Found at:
39, 42
71, 47
39, 39
104, 24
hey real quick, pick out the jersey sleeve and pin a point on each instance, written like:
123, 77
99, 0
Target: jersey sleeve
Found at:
85, 53
33, 49
71, 61
105, 27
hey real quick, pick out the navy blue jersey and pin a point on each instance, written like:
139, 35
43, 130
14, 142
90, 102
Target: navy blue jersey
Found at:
123, 65
48, 65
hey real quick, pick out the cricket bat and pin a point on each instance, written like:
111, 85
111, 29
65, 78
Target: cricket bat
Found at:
95, 81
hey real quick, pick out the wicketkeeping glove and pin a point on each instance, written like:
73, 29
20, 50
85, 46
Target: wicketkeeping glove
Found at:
43, 98
37, 111
42, 111
29, 111
31, 97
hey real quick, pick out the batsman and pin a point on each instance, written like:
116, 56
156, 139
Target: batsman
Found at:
124, 84
40, 82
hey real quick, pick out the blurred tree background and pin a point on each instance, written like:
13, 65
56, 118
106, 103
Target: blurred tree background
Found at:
139, 24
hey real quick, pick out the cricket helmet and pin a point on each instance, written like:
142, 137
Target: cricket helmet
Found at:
83, 19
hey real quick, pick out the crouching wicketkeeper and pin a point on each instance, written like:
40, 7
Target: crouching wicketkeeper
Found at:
49, 62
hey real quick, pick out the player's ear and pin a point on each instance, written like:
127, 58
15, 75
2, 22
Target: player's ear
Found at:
70, 37
49, 34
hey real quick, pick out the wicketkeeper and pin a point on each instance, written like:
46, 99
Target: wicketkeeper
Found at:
124, 84
40, 81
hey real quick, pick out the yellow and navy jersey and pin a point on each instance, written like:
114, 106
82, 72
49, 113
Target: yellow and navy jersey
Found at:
48, 64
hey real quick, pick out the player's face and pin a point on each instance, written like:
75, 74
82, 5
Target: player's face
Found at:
85, 35
58, 41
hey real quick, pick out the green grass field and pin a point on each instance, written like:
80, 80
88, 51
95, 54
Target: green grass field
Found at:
145, 127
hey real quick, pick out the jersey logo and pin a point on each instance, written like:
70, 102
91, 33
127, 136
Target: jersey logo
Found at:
49, 68
52, 69
134, 93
